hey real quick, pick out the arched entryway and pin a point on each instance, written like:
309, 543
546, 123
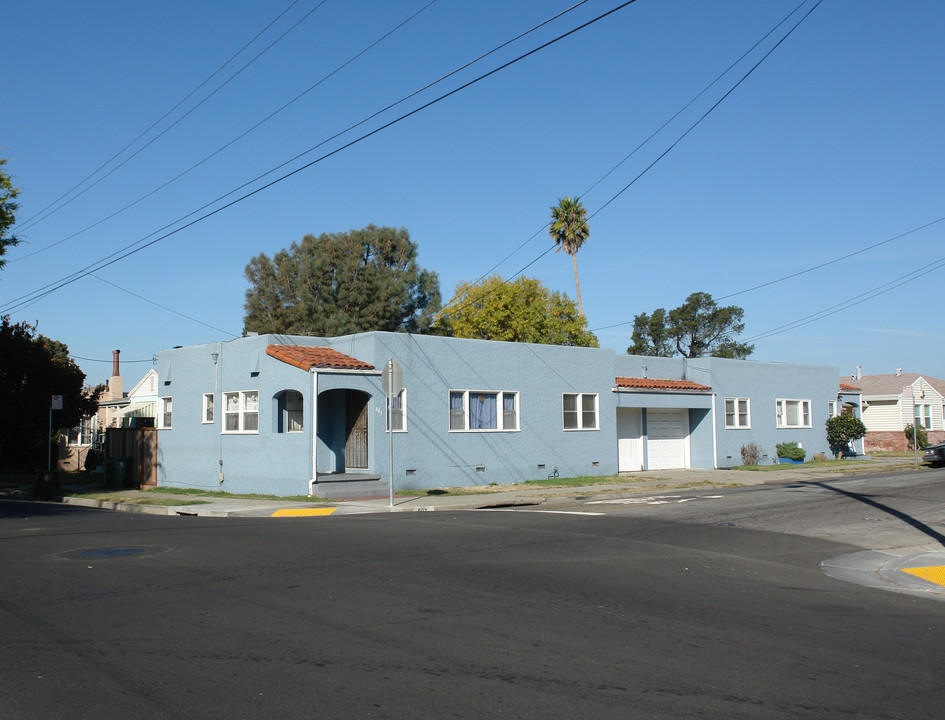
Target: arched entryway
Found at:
343, 428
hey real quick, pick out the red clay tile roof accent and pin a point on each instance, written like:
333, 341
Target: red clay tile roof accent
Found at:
659, 384
315, 357
848, 386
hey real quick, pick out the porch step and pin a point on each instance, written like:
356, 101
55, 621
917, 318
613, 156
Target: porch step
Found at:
350, 486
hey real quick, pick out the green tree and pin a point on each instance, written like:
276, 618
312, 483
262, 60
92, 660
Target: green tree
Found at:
697, 328
33, 368
341, 283
569, 230
520, 311
8, 208
843, 429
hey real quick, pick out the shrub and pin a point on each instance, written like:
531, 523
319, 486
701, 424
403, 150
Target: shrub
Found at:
790, 451
820, 457
843, 429
751, 454
920, 439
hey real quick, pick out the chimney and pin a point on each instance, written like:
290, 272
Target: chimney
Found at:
898, 372
115, 370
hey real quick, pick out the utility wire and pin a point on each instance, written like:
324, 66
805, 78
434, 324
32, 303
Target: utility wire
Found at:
186, 114
29, 221
130, 249
299, 97
163, 307
79, 357
647, 140
855, 300
678, 139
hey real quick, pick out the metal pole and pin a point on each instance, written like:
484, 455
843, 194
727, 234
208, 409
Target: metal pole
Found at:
389, 369
49, 443
915, 439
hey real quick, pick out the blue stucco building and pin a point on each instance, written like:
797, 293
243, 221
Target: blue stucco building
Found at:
280, 414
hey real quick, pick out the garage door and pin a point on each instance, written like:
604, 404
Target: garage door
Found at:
667, 445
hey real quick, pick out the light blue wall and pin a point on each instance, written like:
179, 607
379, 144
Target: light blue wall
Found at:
428, 454
540, 374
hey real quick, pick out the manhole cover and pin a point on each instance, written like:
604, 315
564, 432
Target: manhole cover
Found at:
111, 552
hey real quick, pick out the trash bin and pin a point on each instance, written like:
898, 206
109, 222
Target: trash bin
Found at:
45, 485
116, 472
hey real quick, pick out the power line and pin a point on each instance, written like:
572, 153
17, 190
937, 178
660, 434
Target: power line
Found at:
647, 140
29, 221
130, 249
683, 135
163, 307
299, 97
855, 300
85, 359
819, 266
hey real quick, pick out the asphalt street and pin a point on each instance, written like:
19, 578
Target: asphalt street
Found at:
710, 607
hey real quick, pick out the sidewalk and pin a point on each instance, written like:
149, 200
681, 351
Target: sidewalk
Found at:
473, 498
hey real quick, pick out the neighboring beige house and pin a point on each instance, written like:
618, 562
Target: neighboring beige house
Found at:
890, 402
116, 408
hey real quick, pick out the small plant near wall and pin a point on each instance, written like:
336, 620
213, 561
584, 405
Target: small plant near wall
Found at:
920, 439
791, 451
751, 454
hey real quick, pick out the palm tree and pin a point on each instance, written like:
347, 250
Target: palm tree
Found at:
569, 230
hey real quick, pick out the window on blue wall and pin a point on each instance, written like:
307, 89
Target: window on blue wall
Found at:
207, 413
737, 414
289, 405
579, 411
241, 412
481, 410
166, 413
398, 411
793, 413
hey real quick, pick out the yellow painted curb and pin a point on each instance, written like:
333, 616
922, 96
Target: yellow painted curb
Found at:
302, 512
932, 574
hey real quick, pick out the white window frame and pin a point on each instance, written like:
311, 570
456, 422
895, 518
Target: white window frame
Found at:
292, 416
402, 412
165, 416
504, 423
207, 409
803, 412
580, 412
242, 412
736, 413
922, 415
832, 409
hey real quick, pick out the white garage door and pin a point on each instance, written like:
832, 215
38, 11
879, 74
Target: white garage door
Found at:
667, 445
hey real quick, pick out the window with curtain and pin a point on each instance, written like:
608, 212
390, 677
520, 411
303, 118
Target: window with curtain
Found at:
207, 408
241, 411
793, 413
482, 410
398, 411
292, 405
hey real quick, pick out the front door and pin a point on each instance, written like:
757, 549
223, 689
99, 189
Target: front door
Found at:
356, 430
629, 439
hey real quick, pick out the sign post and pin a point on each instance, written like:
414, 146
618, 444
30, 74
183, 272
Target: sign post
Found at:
55, 404
392, 383
907, 392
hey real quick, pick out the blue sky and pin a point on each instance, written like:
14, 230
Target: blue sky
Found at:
831, 145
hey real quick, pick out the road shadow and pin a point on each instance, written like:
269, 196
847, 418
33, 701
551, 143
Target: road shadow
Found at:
867, 500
